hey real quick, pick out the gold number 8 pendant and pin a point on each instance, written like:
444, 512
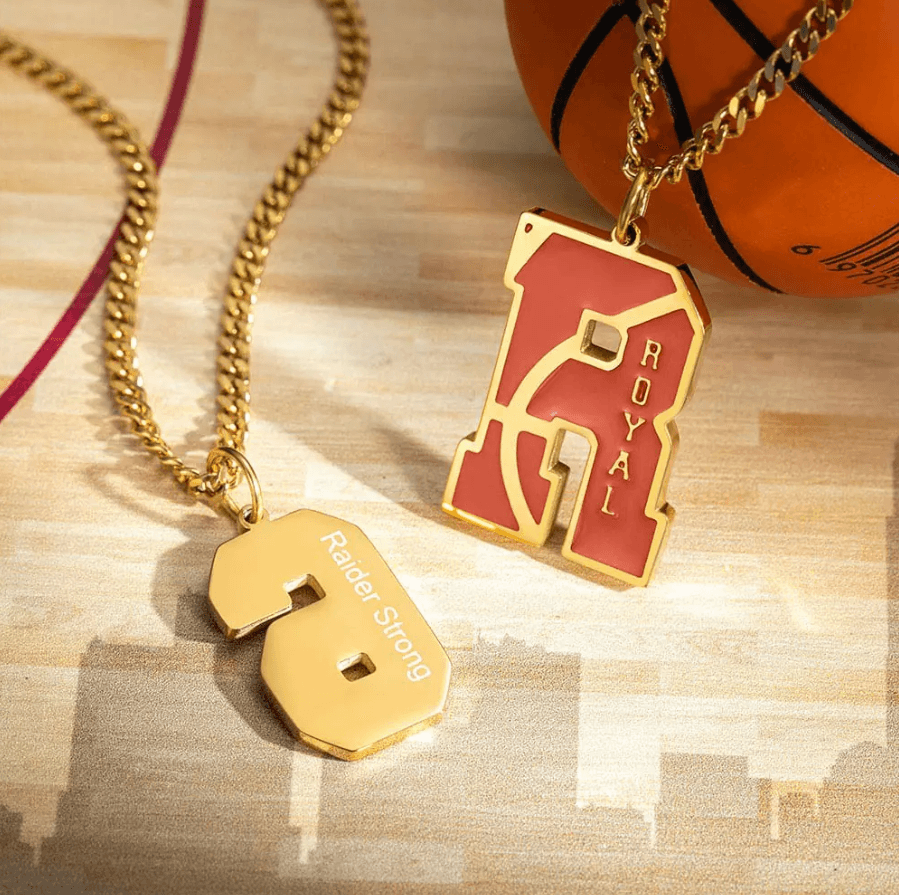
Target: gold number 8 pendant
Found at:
357, 669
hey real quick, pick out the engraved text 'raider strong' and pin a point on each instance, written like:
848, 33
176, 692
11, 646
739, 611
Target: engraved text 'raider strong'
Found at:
387, 618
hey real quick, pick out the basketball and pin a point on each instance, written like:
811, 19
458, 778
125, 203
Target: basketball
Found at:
805, 202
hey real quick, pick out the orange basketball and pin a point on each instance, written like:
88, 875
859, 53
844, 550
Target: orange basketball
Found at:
806, 201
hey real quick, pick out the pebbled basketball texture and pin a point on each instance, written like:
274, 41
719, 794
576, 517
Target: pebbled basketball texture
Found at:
805, 202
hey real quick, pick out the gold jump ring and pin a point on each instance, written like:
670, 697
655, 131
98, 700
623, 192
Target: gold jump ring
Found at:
255, 511
626, 231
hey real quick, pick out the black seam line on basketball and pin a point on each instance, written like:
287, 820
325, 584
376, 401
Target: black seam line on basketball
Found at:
587, 50
826, 108
683, 130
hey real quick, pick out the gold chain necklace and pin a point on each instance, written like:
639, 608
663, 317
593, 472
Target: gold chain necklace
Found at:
359, 668
603, 339
748, 103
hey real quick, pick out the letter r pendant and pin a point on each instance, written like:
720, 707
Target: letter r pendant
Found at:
551, 377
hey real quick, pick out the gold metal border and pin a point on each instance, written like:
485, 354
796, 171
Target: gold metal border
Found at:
515, 418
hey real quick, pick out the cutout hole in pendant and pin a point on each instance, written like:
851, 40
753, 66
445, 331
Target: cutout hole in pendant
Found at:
356, 667
601, 341
304, 592
574, 453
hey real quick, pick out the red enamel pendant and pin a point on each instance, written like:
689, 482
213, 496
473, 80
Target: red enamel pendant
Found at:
550, 378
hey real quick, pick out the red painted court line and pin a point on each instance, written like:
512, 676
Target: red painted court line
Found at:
190, 42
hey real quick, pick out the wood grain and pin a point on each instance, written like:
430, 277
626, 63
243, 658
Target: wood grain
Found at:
731, 728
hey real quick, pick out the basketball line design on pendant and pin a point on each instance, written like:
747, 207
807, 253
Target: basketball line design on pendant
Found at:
825, 108
93, 281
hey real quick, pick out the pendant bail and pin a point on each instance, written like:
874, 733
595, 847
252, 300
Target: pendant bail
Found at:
626, 231
253, 512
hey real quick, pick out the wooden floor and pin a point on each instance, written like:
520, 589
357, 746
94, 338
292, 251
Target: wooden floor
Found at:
731, 728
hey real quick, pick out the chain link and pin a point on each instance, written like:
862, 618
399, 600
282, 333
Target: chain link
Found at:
136, 233
781, 67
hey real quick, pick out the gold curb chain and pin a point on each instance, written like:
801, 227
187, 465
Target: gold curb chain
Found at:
137, 228
748, 103
254, 576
